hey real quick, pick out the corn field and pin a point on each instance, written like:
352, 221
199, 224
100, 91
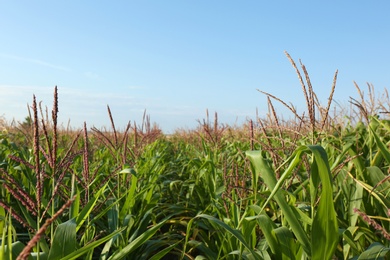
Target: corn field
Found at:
314, 187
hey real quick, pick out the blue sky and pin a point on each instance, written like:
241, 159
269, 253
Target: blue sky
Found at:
178, 58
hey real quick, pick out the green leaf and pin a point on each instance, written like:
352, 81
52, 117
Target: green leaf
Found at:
112, 215
324, 237
87, 248
285, 242
382, 147
82, 217
16, 248
262, 168
325, 228
163, 252
2, 220
75, 207
236, 233
128, 171
355, 201
267, 226
64, 241
130, 199
139, 241
106, 249
349, 242
376, 251
375, 176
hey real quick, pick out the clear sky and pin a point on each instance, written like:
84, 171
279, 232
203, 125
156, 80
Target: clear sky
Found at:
178, 58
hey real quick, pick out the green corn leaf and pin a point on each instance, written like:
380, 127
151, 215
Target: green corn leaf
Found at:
75, 207
4, 231
16, 248
163, 252
112, 215
137, 242
30, 220
142, 225
325, 228
249, 230
382, 147
267, 226
64, 241
2, 220
104, 212
353, 194
206, 252
82, 217
200, 257
236, 233
349, 242
295, 159
262, 168
40, 256
358, 161
286, 243
106, 249
89, 247
376, 251
377, 195
128, 171
376, 176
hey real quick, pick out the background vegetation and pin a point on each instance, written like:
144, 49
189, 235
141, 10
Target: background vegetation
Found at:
314, 187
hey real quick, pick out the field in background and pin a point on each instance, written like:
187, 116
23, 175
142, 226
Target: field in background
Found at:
315, 187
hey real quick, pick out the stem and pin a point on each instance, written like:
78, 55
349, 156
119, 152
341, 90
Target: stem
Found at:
37, 168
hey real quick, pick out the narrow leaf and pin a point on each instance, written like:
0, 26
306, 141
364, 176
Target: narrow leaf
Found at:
139, 241
376, 251
262, 168
236, 233
87, 248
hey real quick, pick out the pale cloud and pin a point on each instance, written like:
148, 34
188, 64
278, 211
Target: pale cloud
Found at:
34, 61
